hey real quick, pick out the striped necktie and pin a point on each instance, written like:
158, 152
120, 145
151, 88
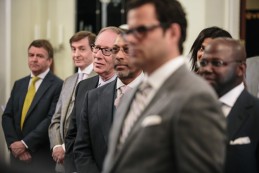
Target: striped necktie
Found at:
121, 91
137, 107
28, 99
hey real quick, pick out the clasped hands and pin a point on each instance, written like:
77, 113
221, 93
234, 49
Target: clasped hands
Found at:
20, 151
58, 154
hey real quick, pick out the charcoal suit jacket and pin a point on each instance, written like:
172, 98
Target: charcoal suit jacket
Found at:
92, 138
243, 135
35, 129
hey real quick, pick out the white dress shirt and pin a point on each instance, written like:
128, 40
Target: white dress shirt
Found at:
158, 77
228, 100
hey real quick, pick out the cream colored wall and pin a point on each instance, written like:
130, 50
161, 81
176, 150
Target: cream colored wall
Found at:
18, 19
5, 67
206, 13
27, 15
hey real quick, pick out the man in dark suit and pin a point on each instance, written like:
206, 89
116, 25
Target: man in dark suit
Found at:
172, 122
97, 115
103, 66
26, 125
223, 65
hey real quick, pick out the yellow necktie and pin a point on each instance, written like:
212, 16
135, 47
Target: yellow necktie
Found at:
28, 99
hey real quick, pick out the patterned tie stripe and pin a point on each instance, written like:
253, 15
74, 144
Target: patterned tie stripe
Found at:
121, 91
28, 99
137, 106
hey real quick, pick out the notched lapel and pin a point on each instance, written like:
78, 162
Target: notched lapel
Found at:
239, 114
70, 88
105, 108
46, 83
23, 90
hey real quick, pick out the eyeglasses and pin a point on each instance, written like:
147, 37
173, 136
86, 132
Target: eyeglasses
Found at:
116, 49
215, 62
105, 51
141, 31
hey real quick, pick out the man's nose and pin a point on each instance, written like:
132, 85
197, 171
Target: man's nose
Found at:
76, 52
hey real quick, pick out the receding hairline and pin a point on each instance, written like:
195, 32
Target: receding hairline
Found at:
235, 45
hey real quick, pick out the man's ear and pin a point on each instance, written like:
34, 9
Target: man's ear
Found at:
241, 70
175, 31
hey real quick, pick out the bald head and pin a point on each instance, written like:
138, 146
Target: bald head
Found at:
232, 49
223, 64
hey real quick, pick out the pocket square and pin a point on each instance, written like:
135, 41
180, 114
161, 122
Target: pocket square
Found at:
151, 120
241, 141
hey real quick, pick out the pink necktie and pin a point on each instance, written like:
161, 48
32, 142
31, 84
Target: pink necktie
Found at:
120, 93
136, 108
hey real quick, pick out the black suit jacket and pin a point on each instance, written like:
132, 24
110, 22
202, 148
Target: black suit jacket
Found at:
92, 138
35, 128
243, 122
81, 90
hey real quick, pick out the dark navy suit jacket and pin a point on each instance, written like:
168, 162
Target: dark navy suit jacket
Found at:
35, 128
243, 123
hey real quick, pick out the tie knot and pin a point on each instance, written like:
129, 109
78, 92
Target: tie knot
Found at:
144, 87
34, 80
123, 88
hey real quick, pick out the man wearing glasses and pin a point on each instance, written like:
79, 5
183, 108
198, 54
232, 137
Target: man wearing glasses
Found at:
103, 65
223, 65
99, 106
172, 122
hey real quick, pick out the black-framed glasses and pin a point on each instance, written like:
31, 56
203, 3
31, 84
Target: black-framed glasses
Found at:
215, 62
141, 31
116, 49
105, 50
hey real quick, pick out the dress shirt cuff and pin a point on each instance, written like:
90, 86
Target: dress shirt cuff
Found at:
63, 146
24, 144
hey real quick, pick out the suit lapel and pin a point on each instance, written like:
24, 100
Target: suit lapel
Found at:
157, 103
105, 108
118, 122
92, 74
70, 94
46, 83
239, 114
23, 91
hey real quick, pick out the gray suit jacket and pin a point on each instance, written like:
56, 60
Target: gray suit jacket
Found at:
189, 138
60, 120
252, 75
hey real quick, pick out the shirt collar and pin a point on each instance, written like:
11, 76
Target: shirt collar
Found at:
102, 82
157, 78
230, 97
42, 75
133, 83
86, 70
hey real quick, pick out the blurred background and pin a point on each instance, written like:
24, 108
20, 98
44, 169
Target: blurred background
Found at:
21, 21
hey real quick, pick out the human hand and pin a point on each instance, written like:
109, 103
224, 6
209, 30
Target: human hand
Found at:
17, 148
58, 154
25, 156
